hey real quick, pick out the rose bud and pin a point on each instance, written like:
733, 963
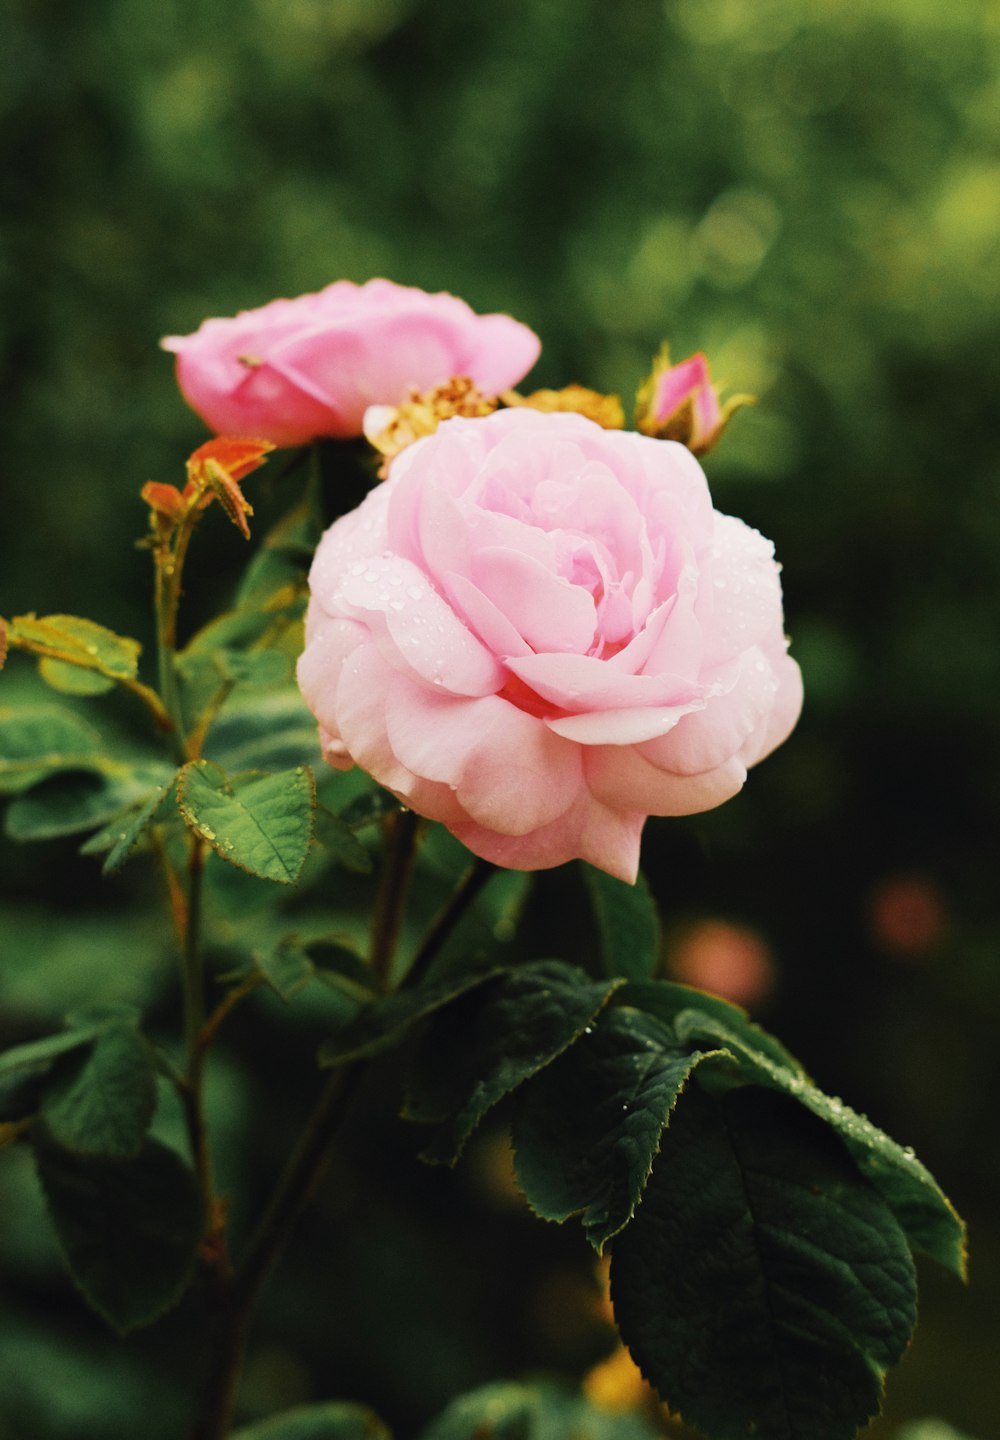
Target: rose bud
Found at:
679, 402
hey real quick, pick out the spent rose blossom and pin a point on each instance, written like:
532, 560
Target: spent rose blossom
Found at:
297, 370
539, 632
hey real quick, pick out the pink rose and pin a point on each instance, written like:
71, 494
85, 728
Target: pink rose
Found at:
296, 370
539, 632
680, 402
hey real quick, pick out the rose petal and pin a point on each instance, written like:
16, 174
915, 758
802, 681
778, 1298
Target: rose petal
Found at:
584, 683
707, 739
621, 727
421, 631
607, 838
621, 776
742, 579
546, 610
508, 772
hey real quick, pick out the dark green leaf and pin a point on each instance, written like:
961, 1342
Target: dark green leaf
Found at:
667, 1000
342, 968
337, 837
131, 827
332, 1420
25, 1068
254, 667
128, 1229
587, 1127
70, 803
384, 1023
270, 575
234, 629
927, 1216
286, 966
485, 1044
627, 922
101, 1103
763, 1286
369, 808
507, 1411
259, 823
274, 731
38, 741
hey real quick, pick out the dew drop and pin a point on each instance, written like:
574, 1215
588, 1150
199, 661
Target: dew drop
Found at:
371, 575
397, 604
414, 592
359, 568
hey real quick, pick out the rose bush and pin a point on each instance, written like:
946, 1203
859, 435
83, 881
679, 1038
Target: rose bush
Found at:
539, 632
296, 370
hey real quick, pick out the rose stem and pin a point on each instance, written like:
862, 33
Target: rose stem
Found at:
237, 1302
397, 867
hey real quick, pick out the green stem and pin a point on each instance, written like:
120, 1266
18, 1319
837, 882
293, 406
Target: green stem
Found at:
302, 1173
469, 887
400, 853
193, 990
169, 560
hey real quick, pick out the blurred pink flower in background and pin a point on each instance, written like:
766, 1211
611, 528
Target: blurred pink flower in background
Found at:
540, 632
907, 915
730, 960
297, 370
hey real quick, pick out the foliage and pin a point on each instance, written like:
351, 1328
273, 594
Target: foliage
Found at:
808, 193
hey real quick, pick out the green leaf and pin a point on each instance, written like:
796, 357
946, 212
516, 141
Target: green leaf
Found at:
70, 803
344, 846
331, 1420
101, 1103
667, 1000
259, 823
485, 1044
70, 638
763, 1286
927, 1216
128, 1229
270, 574
73, 679
929, 1220
587, 1128
254, 667
133, 824
627, 922
341, 968
233, 629
38, 741
24, 1068
270, 732
507, 1411
369, 808
286, 966
386, 1021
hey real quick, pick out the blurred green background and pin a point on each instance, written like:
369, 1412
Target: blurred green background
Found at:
808, 191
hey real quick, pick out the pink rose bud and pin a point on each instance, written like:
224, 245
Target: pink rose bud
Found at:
679, 402
539, 632
296, 370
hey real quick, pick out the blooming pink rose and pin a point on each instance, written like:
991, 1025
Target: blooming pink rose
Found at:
296, 370
539, 632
